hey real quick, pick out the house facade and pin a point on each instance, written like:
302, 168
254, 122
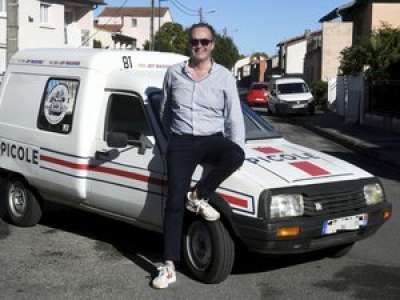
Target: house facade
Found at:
50, 23
291, 54
3, 36
135, 22
367, 15
322, 58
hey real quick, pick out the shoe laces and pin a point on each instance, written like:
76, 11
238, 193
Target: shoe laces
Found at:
164, 271
201, 204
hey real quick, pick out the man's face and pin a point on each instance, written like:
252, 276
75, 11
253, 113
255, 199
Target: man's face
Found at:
201, 44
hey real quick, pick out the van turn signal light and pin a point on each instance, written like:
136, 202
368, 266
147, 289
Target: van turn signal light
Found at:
387, 214
288, 231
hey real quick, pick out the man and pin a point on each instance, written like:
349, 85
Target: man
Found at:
202, 115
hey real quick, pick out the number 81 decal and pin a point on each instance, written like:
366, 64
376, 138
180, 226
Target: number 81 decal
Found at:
127, 61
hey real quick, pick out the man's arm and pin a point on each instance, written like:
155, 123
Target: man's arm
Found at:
234, 122
165, 105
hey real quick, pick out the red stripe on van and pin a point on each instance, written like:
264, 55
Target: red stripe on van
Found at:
310, 168
106, 170
235, 201
268, 150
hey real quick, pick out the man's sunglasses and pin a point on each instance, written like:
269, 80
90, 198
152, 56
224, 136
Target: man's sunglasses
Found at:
203, 42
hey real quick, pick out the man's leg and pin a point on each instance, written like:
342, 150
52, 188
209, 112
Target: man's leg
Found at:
181, 162
225, 156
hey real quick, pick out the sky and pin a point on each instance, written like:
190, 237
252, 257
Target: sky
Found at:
254, 25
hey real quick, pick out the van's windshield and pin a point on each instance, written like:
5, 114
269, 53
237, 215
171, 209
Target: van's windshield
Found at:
257, 128
292, 88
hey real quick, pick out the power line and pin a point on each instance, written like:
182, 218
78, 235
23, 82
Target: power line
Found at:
182, 10
185, 7
108, 21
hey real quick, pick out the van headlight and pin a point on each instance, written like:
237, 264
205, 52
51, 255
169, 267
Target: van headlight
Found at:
286, 205
310, 100
373, 193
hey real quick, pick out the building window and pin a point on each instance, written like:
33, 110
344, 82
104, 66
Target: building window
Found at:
3, 7
134, 22
85, 37
44, 13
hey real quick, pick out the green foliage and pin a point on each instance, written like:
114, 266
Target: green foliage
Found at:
319, 89
375, 55
225, 51
171, 38
258, 54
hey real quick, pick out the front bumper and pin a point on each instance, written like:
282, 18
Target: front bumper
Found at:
261, 235
287, 107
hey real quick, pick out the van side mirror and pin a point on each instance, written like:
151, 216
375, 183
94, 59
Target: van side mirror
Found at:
117, 140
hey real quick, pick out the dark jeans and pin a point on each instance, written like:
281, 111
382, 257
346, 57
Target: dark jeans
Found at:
184, 153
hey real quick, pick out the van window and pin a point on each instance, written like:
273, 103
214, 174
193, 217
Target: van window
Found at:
292, 88
58, 104
126, 115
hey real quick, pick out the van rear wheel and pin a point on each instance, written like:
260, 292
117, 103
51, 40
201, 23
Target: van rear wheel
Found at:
208, 250
20, 204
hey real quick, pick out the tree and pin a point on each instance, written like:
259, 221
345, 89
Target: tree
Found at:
256, 55
376, 55
170, 38
225, 51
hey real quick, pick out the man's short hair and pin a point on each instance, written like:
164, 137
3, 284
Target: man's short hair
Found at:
202, 25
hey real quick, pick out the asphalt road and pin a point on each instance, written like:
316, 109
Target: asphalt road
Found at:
77, 255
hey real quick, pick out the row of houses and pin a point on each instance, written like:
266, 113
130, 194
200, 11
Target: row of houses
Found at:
315, 55
72, 23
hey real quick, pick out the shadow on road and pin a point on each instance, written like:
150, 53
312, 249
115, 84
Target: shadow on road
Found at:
365, 282
144, 248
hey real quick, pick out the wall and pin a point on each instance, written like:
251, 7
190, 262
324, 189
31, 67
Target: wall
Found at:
36, 35
335, 37
3, 41
142, 30
312, 65
362, 20
387, 12
295, 54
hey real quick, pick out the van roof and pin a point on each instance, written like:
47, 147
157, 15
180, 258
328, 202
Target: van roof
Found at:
288, 80
99, 59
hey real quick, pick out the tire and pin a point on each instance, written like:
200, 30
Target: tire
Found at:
19, 204
340, 251
208, 251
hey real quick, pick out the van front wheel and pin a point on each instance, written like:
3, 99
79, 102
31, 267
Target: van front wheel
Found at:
208, 250
21, 205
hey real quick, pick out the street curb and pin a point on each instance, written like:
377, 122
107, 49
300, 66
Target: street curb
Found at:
348, 142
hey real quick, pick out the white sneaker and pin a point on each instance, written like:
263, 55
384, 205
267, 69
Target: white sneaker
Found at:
201, 206
166, 275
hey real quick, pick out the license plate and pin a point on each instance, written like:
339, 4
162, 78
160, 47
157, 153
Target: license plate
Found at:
345, 224
298, 105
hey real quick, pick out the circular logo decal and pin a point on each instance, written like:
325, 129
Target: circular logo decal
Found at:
57, 104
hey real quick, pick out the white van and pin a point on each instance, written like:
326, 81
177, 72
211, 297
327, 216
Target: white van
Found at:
290, 95
81, 127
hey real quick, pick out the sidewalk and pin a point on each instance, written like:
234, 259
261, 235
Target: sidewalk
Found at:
373, 142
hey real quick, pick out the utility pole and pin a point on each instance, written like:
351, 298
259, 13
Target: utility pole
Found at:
152, 26
159, 15
12, 28
201, 14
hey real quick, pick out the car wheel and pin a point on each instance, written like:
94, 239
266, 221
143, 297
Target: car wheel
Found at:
340, 251
208, 250
19, 204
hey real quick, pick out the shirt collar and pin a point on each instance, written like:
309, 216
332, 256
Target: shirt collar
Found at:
185, 67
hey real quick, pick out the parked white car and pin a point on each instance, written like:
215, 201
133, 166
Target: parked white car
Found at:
290, 95
81, 127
